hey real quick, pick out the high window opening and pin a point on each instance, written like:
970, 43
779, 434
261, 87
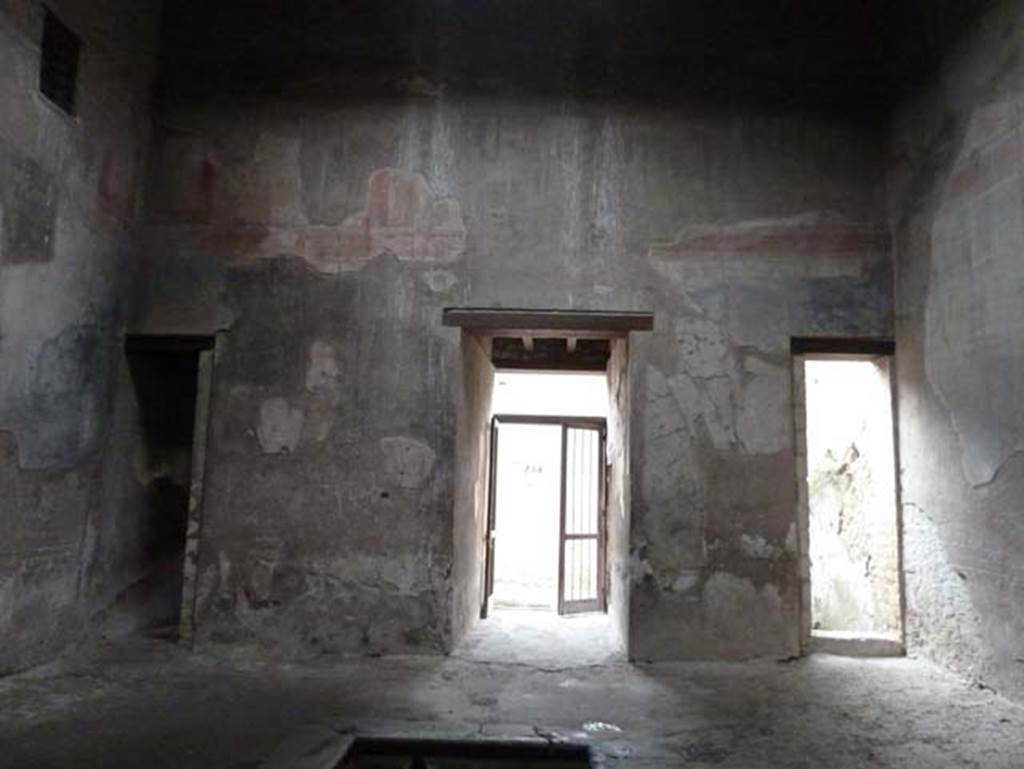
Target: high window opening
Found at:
58, 68
850, 498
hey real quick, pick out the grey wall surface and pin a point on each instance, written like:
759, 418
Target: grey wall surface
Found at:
957, 208
325, 212
67, 217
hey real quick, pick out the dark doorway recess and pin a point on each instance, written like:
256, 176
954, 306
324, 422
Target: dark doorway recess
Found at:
165, 375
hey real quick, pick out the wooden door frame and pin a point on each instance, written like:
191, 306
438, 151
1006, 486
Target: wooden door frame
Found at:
490, 541
489, 527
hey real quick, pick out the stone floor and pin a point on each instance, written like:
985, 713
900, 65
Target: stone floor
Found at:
154, 705
543, 639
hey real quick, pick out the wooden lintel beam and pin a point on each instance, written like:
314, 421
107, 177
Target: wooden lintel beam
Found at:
842, 346
490, 320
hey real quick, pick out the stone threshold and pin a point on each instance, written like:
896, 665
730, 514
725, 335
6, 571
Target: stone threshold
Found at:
854, 644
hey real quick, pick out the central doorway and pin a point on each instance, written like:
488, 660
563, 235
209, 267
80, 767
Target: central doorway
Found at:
546, 559
541, 568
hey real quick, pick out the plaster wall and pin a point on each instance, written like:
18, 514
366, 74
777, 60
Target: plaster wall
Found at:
956, 202
68, 199
324, 216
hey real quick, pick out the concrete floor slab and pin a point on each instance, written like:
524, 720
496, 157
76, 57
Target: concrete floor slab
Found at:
156, 705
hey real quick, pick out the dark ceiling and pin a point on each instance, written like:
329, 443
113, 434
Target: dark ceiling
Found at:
783, 51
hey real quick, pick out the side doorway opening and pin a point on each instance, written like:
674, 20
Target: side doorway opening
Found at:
853, 595
170, 381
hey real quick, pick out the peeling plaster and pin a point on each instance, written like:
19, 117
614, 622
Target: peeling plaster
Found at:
764, 430
405, 218
280, 426
440, 281
408, 462
639, 567
322, 371
704, 348
754, 546
324, 388
686, 581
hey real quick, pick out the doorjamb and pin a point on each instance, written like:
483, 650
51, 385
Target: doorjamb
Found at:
200, 441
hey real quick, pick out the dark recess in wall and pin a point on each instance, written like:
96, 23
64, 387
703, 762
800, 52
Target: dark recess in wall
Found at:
165, 382
58, 68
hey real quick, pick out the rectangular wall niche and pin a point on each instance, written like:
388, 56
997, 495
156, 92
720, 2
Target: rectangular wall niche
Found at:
852, 599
